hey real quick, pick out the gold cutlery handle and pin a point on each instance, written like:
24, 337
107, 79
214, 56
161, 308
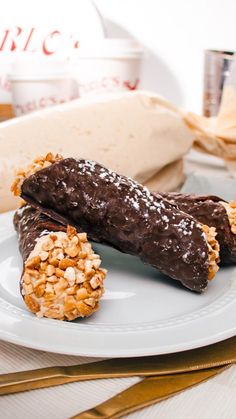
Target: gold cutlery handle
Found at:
219, 354
54, 376
149, 391
29, 380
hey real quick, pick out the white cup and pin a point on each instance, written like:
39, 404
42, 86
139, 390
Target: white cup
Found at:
39, 83
107, 66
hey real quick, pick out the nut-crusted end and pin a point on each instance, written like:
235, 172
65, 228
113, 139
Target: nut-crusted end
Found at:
230, 208
38, 164
62, 277
213, 250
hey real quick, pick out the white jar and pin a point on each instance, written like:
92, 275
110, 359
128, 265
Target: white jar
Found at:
43, 30
37, 84
108, 65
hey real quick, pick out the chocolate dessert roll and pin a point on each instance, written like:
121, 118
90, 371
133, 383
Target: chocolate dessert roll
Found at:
61, 278
116, 210
213, 211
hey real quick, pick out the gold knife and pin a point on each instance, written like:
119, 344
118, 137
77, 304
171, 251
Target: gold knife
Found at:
149, 391
221, 353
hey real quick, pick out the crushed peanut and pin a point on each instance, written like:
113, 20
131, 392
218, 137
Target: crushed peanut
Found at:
38, 164
69, 288
213, 250
230, 208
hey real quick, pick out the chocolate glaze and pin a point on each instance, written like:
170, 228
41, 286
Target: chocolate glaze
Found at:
208, 210
116, 210
31, 224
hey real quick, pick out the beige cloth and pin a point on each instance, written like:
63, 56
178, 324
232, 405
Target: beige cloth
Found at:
217, 136
137, 134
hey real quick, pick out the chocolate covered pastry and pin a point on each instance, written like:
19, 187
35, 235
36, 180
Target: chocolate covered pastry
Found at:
214, 212
39, 163
116, 210
61, 278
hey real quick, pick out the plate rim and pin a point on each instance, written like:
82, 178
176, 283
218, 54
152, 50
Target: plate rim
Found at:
197, 344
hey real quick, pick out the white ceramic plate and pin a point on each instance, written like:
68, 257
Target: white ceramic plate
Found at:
142, 313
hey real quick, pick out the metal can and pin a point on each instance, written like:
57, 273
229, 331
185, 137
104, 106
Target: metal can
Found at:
216, 70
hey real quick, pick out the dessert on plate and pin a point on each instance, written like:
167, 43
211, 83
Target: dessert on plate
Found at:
116, 210
62, 278
213, 211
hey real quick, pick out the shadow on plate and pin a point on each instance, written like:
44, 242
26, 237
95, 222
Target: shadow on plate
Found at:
117, 261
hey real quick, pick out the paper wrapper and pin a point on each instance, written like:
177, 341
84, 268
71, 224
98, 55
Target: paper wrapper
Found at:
137, 134
218, 135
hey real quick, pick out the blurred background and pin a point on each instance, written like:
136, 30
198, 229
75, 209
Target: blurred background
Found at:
165, 52
175, 34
